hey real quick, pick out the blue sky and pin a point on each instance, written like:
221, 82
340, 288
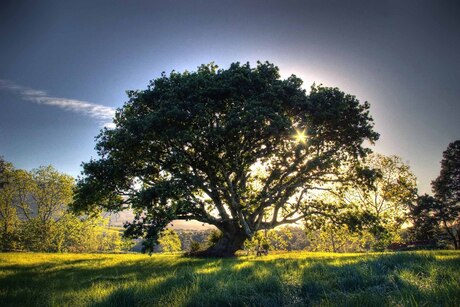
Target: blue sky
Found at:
65, 66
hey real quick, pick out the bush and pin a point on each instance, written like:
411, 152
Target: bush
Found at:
194, 247
214, 237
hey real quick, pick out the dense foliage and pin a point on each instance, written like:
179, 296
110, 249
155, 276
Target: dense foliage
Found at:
446, 189
437, 218
34, 215
425, 224
169, 241
372, 213
239, 149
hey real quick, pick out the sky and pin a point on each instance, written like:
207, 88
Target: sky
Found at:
65, 65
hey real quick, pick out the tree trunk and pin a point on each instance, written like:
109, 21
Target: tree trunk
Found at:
333, 243
451, 234
226, 246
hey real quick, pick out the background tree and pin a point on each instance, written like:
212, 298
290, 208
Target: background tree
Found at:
382, 204
46, 193
188, 148
279, 238
299, 240
169, 241
4, 167
273, 239
72, 234
214, 237
9, 220
425, 224
34, 215
338, 238
446, 190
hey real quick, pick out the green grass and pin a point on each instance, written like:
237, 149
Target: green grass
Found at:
317, 279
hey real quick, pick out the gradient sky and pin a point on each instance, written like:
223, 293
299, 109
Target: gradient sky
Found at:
65, 65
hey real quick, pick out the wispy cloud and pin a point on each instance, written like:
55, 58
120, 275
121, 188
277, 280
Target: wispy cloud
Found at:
102, 114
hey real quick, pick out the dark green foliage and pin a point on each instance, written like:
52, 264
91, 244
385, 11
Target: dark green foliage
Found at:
4, 166
438, 218
194, 247
425, 223
447, 191
447, 186
189, 144
214, 237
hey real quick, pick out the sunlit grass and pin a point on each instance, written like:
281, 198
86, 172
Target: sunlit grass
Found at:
301, 278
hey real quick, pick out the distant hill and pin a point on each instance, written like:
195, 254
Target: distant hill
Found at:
118, 219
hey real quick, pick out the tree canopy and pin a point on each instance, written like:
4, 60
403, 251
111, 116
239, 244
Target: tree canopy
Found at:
380, 206
447, 186
34, 215
238, 148
446, 189
424, 218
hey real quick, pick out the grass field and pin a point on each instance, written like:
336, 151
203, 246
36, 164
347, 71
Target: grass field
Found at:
392, 279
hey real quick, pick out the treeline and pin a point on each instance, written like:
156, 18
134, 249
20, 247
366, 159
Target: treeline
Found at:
35, 215
385, 212
288, 238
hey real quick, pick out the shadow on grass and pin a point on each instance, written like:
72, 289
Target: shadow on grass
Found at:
42, 284
402, 279
376, 280
384, 280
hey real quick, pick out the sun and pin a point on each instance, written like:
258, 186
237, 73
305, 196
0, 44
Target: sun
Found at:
300, 136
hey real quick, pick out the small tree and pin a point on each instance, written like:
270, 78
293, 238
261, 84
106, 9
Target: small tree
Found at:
224, 147
9, 220
425, 224
446, 190
34, 214
214, 237
44, 195
273, 239
169, 241
279, 239
333, 238
73, 234
380, 206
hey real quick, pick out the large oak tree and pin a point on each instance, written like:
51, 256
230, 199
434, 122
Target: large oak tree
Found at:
238, 148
